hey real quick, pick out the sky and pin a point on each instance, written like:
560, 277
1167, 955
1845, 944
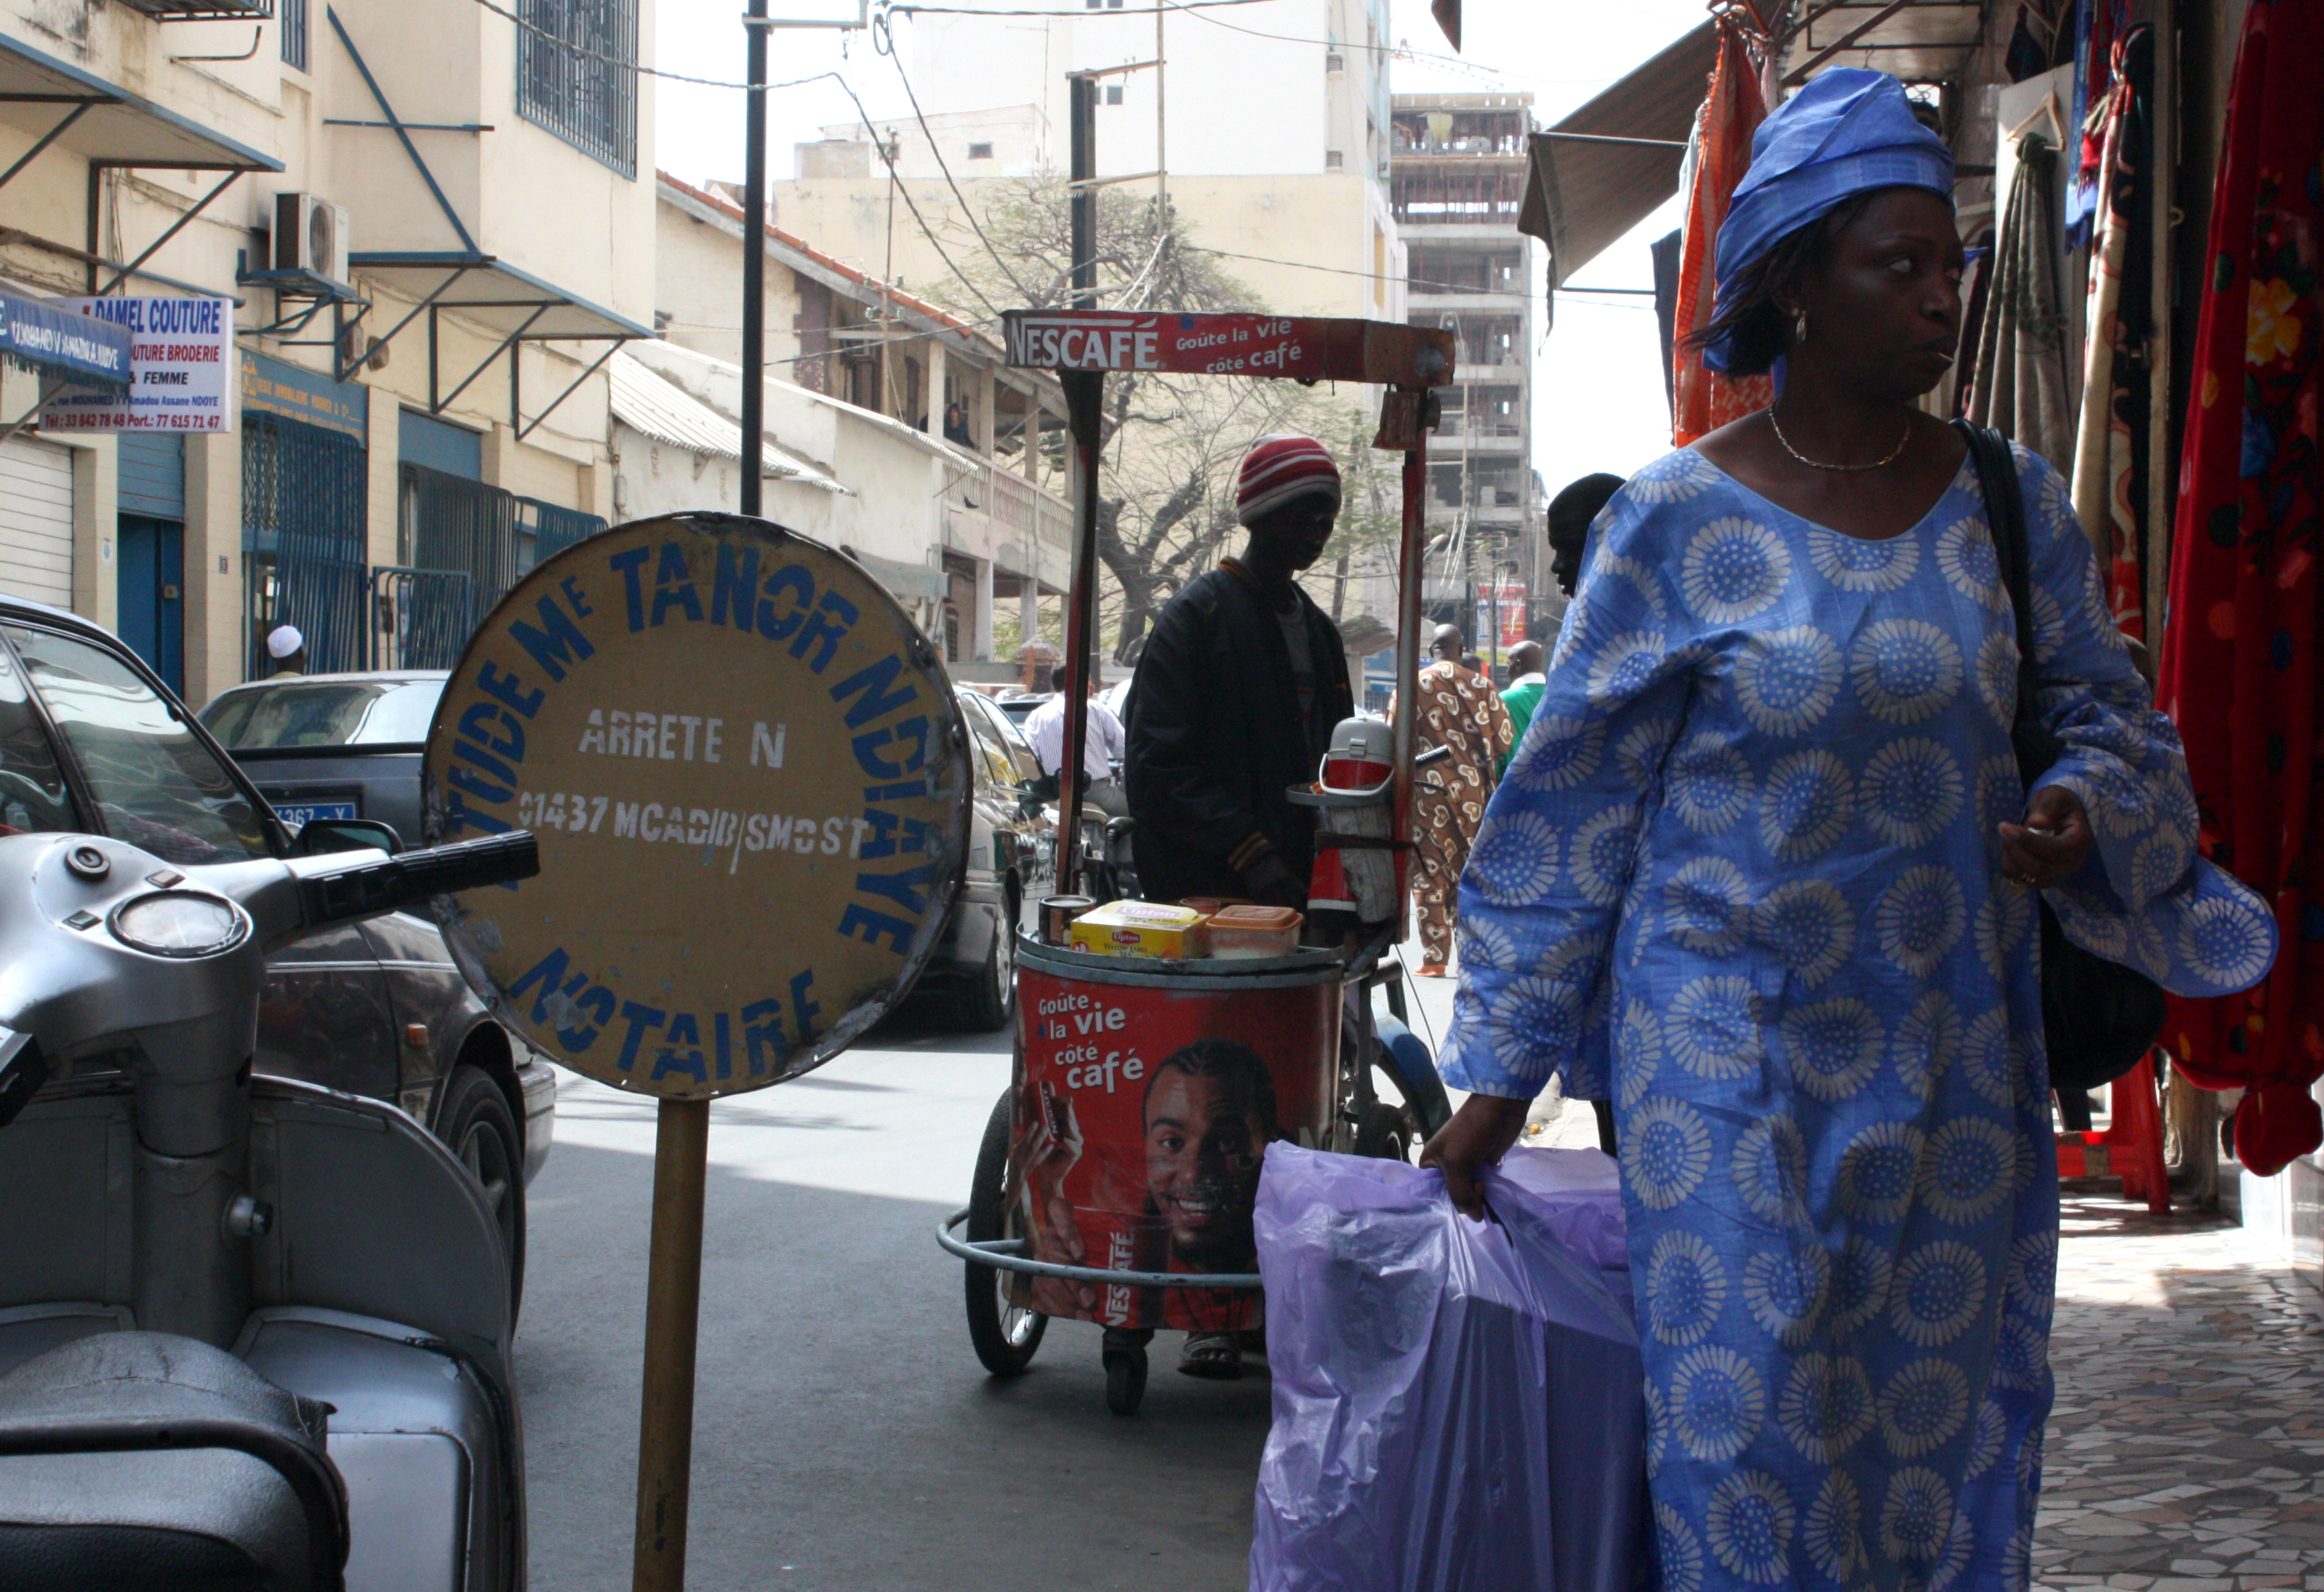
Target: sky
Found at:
1598, 389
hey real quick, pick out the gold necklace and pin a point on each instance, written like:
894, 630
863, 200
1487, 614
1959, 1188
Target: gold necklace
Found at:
1894, 454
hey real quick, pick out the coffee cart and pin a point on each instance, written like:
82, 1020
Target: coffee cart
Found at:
1115, 1177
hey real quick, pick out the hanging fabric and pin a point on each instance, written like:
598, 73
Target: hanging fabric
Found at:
2240, 663
2110, 446
1977, 283
1732, 112
2019, 384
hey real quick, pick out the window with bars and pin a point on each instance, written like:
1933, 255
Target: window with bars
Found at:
576, 75
292, 15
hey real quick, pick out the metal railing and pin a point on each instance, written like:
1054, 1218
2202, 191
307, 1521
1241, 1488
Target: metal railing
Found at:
577, 76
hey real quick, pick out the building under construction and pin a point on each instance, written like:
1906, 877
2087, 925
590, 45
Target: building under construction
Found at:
1456, 181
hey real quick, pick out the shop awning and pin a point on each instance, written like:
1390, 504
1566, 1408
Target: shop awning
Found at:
907, 582
491, 292
62, 105
63, 344
654, 406
1604, 169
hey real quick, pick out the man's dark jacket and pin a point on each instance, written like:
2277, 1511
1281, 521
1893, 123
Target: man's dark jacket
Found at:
1216, 737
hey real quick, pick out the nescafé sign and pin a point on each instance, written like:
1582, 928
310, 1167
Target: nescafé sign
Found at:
750, 781
1301, 348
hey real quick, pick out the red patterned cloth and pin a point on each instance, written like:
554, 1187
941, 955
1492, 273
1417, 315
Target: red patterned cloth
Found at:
1704, 399
2240, 663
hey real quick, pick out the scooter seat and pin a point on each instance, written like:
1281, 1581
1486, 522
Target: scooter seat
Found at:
143, 1459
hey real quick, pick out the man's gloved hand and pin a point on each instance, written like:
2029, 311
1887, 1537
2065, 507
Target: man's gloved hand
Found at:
1268, 880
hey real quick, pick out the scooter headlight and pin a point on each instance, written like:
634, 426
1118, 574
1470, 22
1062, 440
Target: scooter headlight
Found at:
179, 924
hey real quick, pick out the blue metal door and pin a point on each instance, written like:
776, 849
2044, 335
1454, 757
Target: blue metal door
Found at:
151, 611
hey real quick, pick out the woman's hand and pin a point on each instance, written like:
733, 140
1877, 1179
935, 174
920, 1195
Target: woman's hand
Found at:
2050, 847
1479, 1134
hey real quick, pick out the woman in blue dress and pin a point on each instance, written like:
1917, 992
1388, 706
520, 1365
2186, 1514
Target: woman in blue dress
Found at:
1763, 872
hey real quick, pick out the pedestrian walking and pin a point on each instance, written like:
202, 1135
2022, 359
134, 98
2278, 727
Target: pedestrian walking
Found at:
1567, 522
1455, 707
1764, 874
1525, 682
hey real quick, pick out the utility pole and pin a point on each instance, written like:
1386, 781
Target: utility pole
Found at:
1082, 393
755, 24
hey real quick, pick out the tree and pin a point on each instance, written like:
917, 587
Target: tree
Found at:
1173, 443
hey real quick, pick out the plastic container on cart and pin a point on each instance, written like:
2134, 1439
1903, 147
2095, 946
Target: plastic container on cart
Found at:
1245, 932
1142, 929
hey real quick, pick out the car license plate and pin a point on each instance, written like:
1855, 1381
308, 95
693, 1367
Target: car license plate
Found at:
300, 814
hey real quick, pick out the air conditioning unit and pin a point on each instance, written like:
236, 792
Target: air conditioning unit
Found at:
310, 233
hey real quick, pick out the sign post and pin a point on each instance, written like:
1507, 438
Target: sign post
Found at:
750, 781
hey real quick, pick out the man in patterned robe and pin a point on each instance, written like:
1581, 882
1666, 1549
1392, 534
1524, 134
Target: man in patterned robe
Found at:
1457, 708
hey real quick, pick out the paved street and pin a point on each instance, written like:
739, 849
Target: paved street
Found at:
848, 1439
847, 1436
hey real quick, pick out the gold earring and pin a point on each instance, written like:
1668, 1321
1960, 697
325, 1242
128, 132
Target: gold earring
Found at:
1799, 326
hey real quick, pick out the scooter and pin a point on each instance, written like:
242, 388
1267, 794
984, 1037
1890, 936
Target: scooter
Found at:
254, 1333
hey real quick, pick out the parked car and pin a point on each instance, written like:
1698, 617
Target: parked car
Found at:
1009, 861
333, 746
92, 743
1018, 706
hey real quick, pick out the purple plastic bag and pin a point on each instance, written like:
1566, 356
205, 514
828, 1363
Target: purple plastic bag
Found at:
1458, 1406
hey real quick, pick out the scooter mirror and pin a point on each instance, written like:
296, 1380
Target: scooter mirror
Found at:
320, 836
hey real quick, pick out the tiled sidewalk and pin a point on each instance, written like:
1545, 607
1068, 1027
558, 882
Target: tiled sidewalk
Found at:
2187, 1450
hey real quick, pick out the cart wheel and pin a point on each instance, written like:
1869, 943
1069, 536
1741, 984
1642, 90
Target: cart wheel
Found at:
1004, 1334
1125, 1379
1385, 1132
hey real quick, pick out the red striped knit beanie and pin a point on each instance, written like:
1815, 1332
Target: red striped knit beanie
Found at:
1280, 468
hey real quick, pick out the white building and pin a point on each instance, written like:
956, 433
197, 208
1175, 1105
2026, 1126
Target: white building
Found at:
417, 393
1295, 199
876, 387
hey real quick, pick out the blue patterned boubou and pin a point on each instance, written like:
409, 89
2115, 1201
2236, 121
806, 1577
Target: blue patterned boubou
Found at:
1743, 879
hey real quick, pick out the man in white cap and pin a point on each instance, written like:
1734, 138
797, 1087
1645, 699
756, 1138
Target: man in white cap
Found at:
288, 648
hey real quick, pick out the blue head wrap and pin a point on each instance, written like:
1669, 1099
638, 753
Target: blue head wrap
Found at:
1848, 132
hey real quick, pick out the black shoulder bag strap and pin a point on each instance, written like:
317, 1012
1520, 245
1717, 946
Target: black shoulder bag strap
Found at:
2004, 514
2099, 1019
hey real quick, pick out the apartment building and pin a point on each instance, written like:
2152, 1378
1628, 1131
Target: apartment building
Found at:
1458, 178
422, 230
1295, 201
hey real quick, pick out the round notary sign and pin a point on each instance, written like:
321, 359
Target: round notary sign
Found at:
750, 781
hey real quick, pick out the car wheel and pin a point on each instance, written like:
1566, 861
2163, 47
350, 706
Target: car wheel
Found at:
992, 1000
475, 1122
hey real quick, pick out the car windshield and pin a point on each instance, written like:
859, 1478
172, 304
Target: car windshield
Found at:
155, 784
323, 713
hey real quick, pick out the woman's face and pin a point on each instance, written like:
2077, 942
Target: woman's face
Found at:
1883, 303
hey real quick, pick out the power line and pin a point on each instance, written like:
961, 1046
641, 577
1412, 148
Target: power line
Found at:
1410, 281
898, 186
884, 42
1109, 12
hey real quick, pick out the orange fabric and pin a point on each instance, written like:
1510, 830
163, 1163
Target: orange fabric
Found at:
1733, 110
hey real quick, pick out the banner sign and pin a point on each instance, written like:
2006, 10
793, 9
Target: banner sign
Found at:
180, 352
274, 388
60, 343
749, 779
1305, 349
1501, 610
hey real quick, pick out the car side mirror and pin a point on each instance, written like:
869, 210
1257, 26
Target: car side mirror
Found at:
320, 836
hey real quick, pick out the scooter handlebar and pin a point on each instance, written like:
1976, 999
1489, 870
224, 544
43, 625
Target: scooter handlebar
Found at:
368, 889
